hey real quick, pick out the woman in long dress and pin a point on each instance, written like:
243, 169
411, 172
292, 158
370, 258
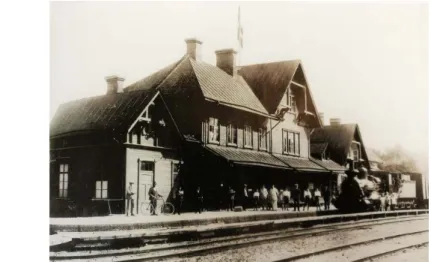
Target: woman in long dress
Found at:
274, 197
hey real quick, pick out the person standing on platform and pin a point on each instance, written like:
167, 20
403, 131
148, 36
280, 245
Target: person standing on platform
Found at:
130, 203
286, 198
264, 197
199, 200
245, 199
307, 198
317, 196
273, 193
256, 199
179, 200
153, 194
327, 197
231, 195
296, 194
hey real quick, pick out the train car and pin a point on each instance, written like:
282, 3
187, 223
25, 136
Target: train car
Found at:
406, 190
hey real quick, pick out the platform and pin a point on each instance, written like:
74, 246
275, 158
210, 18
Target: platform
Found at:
236, 225
123, 222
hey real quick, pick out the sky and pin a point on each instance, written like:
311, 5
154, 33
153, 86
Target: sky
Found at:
365, 63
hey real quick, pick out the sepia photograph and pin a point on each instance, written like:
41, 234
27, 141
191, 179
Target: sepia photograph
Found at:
238, 131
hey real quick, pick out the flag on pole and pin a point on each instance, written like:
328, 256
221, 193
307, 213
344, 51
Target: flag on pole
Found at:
240, 30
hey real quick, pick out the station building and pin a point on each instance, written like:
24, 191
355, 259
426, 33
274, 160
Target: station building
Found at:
191, 124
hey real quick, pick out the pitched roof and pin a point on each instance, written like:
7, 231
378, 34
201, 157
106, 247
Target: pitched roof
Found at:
318, 148
101, 113
339, 139
372, 156
245, 156
214, 84
270, 80
300, 163
329, 164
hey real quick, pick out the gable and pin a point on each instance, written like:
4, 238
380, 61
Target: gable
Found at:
112, 113
271, 82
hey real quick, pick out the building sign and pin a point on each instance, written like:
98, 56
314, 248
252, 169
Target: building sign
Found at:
408, 190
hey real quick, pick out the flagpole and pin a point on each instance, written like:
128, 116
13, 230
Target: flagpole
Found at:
239, 36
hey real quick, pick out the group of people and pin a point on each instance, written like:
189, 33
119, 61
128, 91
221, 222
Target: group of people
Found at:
264, 199
388, 201
260, 198
269, 200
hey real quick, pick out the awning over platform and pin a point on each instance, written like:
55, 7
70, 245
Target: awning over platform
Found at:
301, 164
329, 164
247, 157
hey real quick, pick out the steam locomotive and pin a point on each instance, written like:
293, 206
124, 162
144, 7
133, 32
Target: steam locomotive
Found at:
361, 192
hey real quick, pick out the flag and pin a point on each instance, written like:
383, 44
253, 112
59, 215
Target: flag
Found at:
240, 30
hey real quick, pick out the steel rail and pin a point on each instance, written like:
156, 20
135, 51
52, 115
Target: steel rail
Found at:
368, 258
337, 248
272, 235
206, 250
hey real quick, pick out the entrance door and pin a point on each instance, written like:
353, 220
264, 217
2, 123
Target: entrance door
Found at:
146, 178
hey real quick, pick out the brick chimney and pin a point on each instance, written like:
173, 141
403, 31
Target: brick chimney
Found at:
115, 84
194, 48
335, 121
226, 61
322, 117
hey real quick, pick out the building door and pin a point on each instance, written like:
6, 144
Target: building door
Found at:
146, 178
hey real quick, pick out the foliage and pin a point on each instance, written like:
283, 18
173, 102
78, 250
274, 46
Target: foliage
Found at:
396, 159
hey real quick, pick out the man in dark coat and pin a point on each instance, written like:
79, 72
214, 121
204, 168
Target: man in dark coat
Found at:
296, 194
199, 200
245, 197
179, 200
154, 194
231, 194
326, 197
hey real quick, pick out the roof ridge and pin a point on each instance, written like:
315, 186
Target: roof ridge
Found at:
274, 62
174, 66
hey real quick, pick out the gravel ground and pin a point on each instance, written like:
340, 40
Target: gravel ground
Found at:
282, 249
419, 254
359, 252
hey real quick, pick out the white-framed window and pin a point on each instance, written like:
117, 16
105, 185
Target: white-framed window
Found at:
248, 136
232, 134
147, 166
263, 138
291, 143
355, 154
291, 100
213, 130
64, 181
101, 189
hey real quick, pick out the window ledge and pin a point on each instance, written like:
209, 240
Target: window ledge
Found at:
107, 199
232, 144
290, 154
214, 142
248, 147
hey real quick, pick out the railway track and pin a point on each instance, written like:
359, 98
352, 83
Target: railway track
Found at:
196, 248
320, 254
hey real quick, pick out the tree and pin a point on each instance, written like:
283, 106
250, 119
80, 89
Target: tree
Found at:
396, 159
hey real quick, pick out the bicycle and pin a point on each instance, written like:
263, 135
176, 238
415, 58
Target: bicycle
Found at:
165, 208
